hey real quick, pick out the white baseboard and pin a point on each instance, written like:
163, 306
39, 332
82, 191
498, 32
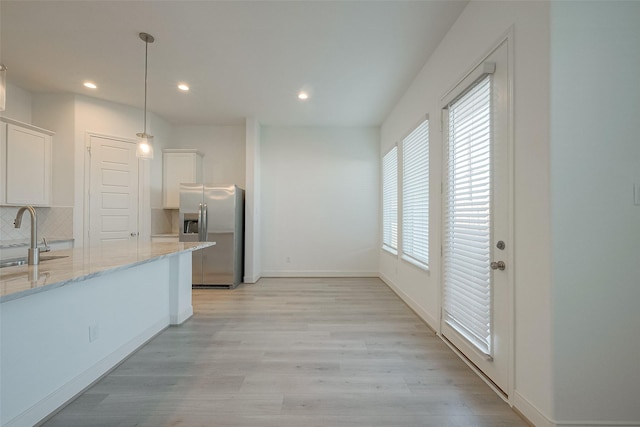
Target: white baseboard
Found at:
537, 418
306, 273
597, 424
522, 405
421, 312
181, 317
50, 404
252, 279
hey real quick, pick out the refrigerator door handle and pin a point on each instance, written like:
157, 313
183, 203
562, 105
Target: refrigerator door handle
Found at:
200, 223
205, 222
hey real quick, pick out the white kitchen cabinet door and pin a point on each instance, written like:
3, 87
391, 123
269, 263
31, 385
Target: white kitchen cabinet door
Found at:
26, 160
179, 166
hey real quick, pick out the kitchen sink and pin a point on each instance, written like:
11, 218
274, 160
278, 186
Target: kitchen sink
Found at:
22, 261
13, 262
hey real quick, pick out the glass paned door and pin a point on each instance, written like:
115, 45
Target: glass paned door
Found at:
476, 275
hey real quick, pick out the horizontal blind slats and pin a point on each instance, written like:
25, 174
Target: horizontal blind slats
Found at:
467, 251
415, 193
390, 199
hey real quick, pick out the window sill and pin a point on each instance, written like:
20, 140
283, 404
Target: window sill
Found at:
416, 263
390, 250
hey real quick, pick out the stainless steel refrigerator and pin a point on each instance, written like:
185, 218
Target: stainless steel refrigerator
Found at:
214, 213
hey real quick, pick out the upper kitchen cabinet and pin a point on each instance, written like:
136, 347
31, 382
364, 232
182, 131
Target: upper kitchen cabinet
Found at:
178, 166
25, 157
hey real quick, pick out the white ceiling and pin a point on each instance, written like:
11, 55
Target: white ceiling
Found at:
241, 59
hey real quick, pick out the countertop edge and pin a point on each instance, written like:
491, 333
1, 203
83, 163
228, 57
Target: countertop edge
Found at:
108, 270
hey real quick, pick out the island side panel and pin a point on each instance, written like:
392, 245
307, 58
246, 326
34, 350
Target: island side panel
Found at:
56, 343
181, 306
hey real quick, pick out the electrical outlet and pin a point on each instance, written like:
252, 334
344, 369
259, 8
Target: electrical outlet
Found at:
94, 332
636, 194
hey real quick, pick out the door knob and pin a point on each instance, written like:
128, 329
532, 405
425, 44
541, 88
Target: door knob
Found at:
500, 265
134, 234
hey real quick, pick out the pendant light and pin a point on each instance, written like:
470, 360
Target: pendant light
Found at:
3, 86
145, 141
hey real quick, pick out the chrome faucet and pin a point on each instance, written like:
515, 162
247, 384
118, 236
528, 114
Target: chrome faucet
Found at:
34, 251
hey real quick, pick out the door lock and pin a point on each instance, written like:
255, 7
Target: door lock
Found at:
500, 245
500, 265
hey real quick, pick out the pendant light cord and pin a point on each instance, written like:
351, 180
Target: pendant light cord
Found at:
147, 38
146, 53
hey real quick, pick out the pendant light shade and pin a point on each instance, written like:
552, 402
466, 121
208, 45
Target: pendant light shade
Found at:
145, 141
144, 148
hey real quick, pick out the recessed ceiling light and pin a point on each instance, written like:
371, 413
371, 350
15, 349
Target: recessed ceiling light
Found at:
183, 87
303, 95
90, 85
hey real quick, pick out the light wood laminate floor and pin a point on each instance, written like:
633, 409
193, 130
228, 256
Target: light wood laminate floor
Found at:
293, 352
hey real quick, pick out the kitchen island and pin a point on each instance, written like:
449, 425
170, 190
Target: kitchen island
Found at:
69, 320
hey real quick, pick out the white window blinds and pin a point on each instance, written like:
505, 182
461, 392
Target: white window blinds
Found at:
390, 199
467, 239
415, 194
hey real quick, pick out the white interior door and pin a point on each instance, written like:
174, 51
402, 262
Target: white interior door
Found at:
476, 297
113, 194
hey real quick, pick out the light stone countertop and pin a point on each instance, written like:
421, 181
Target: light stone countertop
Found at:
83, 263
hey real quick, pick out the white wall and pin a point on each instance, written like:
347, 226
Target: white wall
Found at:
223, 148
480, 26
595, 159
252, 246
18, 103
57, 113
319, 201
163, 138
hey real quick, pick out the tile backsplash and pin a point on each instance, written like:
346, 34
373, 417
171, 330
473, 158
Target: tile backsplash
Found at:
164, 221
52, 222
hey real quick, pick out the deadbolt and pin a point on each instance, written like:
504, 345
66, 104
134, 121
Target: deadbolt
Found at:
500, 265
500, 245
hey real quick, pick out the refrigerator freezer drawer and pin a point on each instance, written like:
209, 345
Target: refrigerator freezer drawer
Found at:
219, 262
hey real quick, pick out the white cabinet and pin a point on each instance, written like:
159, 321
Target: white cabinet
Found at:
179, 166
25, 157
